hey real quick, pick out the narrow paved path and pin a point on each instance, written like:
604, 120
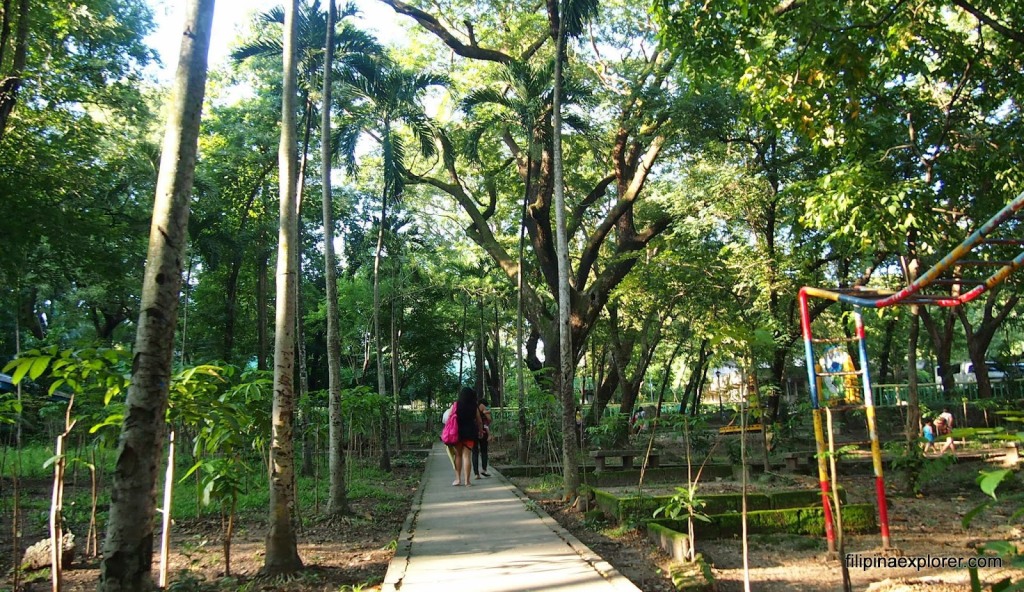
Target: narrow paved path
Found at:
486, 538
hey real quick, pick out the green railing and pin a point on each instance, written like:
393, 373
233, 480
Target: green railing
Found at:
897, 394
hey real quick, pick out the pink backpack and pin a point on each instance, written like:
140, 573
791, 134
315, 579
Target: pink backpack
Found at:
450, 435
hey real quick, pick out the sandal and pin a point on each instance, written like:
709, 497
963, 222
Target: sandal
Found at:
485, 474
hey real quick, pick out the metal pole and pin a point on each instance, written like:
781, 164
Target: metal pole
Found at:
869, 407
819, 438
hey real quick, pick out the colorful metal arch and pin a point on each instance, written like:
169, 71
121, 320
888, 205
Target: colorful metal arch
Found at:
912, 294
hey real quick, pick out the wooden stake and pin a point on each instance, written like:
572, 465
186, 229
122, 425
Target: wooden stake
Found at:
165, 535
92, 537
56, 536
15, 534
840, 549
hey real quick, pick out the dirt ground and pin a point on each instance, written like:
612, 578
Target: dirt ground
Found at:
344, 554
920, 526
353, 553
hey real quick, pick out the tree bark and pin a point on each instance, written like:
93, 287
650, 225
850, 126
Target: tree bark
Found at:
337, 502
913, 427
942, 343
883, 362
520, 370
10, 83
396, 387
128, 548
382, 389
566, 355
498, 399
262, 286
282, 550
979, 336
602, 396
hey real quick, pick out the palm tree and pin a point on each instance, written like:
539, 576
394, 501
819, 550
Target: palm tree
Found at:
321, 39
567, 20
337, 504
312, 30
282, 555
128, 549
382, 96
530, 100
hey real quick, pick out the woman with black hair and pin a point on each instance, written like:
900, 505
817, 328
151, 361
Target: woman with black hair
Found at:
480, 451
471, 429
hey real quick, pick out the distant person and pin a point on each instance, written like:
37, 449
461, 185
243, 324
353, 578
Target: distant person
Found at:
480, 450
942, 430
947, 416
946, 430
637, 423
471, 429
929, 436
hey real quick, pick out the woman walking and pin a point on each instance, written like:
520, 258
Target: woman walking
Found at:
471, 429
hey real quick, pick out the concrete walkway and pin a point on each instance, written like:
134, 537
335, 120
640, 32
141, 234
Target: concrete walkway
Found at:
487, 538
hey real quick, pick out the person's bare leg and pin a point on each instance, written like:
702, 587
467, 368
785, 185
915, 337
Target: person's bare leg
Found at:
458, 465
467, 463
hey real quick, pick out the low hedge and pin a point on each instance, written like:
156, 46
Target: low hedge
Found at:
630, 509
857, 519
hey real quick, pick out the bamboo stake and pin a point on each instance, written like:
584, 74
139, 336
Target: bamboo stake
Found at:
15, 534
743, 477
847, 585
56, 536
92, 538
316, 472
227, 538
165, 535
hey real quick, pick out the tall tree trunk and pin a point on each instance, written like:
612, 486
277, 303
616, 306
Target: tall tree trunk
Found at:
886, 355
262, 286
979, 336
520, 370
300, 318
237, 258
337, 498
698, 395
301, 375
941, 328
697, 375
913, 427
603, 392
30, 314
481, 353
395, 385
282, 554
10, 82
462, 343
382, 389
184, 318
128, 548
231, 293
566, 359
499, 384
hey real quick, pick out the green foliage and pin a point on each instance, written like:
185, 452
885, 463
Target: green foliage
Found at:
686, 503
362, 408
989, 482
612, 432
97, 377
